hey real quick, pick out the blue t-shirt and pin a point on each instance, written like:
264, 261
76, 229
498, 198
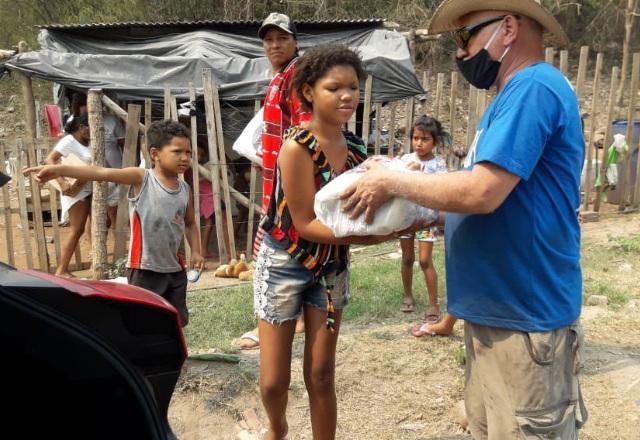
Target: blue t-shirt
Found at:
519, 266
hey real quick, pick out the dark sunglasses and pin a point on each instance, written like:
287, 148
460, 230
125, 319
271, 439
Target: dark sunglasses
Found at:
464, 34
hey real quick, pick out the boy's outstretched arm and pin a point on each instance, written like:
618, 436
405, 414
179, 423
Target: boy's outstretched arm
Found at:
192, 233
125, 176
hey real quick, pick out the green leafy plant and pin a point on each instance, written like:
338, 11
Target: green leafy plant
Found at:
117, 269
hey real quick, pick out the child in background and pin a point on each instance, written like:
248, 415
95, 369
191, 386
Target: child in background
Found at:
160, 212
426, 134
301, 266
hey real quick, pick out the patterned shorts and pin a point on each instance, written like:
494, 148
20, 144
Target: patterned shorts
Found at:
281, 285
429, 235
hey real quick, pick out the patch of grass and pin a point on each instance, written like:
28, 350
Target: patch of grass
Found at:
220, 315
627, 243
616, 297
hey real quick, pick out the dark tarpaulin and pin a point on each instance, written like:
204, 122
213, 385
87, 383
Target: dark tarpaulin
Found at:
140, 67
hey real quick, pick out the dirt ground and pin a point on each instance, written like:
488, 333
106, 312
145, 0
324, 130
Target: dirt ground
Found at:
393, 386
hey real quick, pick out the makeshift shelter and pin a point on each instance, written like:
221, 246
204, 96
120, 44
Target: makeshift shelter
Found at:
218, 65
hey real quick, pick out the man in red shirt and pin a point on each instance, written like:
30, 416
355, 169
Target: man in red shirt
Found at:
282, 109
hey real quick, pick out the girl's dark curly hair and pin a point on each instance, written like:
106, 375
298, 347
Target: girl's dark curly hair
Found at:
317, 61
429, 125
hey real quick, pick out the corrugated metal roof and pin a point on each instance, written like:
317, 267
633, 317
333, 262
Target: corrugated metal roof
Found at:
213, 23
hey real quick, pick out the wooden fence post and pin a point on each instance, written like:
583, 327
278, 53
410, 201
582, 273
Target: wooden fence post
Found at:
207, 84
128, 160
615, 73
147, 122
452, 115
439, 86
376, 149
473, 108
564, 61
30, 119
8, 225
366, 120
582, 72
167, 102
98, 202
195, 171
22, 202
223, 166
409, 123
392, 129
592, 130
549, 55
624, 180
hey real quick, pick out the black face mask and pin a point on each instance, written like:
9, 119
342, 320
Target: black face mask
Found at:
480, 70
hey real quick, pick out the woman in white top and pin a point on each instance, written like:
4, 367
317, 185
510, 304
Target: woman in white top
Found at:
75, 206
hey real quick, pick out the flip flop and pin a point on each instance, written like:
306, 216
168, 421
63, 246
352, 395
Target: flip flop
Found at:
420, 330
255, 341
407, 307
432, 315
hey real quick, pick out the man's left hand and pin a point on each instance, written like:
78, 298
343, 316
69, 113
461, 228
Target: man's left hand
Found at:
369, 193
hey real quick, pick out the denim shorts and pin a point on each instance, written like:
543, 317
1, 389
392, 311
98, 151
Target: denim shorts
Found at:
281, 285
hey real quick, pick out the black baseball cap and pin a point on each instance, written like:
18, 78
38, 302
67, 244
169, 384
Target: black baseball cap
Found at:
281, 21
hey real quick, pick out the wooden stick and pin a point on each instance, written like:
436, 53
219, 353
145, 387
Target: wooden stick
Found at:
452, 115
53, 208
224, 167
167, 102
549, 55
376, 149
29, 142
98, 202
174, 108
147, 123
252, 200
8, 224
195, 171
615, 75
22, 202
425, 84
207, 84
564, 61
409, 123
473, 108
481, 105
439, 86
582, 72
351, 125
392, 129
120, 112
128, 160
592, 131
366, 120
631, 111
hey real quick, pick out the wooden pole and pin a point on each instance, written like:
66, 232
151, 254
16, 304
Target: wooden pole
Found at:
615, 74
174, 108
392, 129
366, 120
409, 123
252, 200
564, 61
452, 115
195, 172
147, 123
412, 45
481, 105
224, 167
425, 83
98, 203
207, 84
592, 131
631, 111
167, 102
128, 160
30, 119
439, 86
351, 125
582, 72
549, 55
22, 202
53, 204
8, 224
473, 108
376, 149
120, 112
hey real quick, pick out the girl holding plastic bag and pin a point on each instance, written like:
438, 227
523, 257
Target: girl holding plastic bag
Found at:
301, 266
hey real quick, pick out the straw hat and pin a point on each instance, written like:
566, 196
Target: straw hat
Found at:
447, 16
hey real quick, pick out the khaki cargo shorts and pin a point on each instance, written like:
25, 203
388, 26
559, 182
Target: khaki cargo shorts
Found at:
524, 385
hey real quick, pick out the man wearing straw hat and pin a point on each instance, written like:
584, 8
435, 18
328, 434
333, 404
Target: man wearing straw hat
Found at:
512, 233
